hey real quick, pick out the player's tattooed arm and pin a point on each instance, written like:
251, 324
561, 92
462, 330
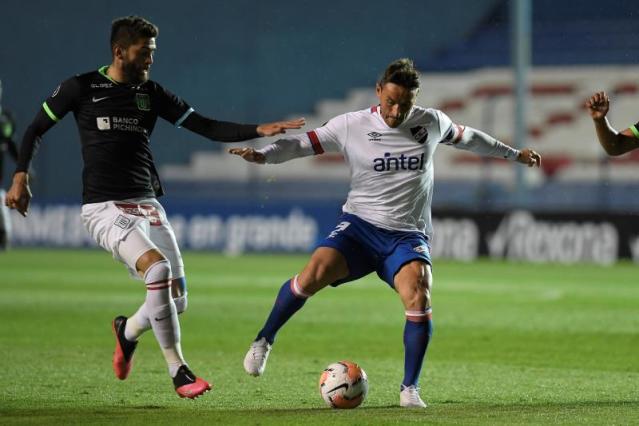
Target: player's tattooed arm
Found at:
613, 142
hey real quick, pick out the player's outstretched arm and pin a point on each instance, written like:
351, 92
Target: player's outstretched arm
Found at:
285, 149
613, 142
279, 127
226, 131
469, 139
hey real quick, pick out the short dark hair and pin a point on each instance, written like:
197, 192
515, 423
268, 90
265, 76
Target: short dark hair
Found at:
401, 72
127, 30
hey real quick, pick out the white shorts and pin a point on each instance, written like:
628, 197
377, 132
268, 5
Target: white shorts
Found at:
130, 228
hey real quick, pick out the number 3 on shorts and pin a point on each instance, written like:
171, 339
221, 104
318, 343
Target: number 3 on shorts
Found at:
340, 227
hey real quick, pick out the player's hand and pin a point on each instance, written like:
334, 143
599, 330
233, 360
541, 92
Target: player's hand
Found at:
529, 157
598, 105
249, 154
272, 129
19, 195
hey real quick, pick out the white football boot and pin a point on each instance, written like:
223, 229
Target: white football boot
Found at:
409, 397
255, 359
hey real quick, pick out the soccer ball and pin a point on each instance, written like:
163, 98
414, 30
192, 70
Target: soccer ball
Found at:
343, 385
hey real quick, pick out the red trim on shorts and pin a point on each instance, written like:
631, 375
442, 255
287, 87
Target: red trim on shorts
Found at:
317, 146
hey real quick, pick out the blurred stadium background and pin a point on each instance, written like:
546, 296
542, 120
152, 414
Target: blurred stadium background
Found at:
515, 343
255, 61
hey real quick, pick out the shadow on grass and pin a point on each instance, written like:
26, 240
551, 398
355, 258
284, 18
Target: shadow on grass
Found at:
438, 413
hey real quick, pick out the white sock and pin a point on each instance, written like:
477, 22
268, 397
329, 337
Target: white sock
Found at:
162, 314
137, 324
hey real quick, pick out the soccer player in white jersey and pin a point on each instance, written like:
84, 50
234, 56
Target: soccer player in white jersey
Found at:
386, 222
613, 142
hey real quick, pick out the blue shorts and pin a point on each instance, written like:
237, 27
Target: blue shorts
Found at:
368, 248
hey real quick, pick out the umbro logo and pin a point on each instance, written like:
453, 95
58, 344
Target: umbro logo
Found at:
94, 99
374, 136
421, 249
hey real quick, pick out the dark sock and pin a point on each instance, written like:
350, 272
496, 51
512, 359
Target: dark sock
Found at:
286, 304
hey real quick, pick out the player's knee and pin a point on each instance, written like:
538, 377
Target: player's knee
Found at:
152, 257
417, 292
158, 272
417, 298
316, 275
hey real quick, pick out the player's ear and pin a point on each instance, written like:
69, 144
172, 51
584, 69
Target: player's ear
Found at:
378, 89
117, 51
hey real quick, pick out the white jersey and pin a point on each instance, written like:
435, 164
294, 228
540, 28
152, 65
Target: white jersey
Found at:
391, 168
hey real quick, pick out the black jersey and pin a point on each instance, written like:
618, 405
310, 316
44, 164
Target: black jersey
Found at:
115, 121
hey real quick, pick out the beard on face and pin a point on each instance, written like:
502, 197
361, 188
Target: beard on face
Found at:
393, 120
134, 73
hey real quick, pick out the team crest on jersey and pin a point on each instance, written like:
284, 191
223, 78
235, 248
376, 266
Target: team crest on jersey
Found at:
374, 136
143, 101
420, 133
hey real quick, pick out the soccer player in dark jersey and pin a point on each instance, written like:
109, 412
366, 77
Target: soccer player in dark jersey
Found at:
7, 145
116, 108
613, 142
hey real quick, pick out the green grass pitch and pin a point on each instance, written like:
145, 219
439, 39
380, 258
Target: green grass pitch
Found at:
513, 344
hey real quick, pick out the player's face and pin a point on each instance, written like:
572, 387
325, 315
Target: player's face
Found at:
137, 60
395, 102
